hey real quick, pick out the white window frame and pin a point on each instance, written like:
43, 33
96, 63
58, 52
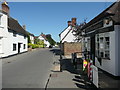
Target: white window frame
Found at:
101, 43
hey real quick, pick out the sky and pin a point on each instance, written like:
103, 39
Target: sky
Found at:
51, 17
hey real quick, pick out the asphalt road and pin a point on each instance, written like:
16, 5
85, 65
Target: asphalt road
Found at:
28, 70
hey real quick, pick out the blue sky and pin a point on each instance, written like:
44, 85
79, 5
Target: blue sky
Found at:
50, 17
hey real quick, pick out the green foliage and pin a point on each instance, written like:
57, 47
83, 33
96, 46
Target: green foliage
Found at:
33, 45
36, 40
28, 36
40, 42
50, 40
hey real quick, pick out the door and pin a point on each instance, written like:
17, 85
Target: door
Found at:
19, 46
92, 46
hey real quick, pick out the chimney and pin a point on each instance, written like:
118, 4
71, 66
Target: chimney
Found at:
73, 21
24, 27
69, 23
5, 7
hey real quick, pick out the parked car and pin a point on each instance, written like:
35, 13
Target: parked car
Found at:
50, 46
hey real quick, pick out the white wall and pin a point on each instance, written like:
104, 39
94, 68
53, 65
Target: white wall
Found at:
109, 65
8, 39
70, 37
8, 44
32, 39
117, 48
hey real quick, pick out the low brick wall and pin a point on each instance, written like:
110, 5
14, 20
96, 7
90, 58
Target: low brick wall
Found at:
72, 47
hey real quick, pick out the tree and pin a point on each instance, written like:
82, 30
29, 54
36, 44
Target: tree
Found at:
28, 36
78, 31
50, 40
36, 40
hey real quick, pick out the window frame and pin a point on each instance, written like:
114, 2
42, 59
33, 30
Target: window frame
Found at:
14, 47
101, 50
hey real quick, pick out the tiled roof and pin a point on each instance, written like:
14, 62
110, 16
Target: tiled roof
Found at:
15, 26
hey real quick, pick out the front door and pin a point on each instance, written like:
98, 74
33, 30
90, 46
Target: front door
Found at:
92, 46
19, 46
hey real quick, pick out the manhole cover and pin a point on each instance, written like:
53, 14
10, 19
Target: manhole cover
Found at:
53, 75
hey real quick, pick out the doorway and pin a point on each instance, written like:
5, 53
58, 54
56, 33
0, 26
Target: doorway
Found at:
19, 46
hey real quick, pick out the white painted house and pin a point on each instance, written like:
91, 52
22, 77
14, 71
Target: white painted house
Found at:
13, 38
67, 34
32, 38
102, 39
43, 38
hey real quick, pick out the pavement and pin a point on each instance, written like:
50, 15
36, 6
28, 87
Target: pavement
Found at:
27, 70
108, 81
67, 76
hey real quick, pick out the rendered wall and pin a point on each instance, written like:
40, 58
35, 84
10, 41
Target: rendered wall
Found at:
109, 65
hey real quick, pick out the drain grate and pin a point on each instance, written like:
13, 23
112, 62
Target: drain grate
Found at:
53, 75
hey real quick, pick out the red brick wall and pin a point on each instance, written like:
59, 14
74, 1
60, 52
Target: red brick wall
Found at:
69, 48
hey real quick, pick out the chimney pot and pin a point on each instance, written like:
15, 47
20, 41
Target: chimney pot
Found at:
69, 23
5, 7
24, 27
74, 21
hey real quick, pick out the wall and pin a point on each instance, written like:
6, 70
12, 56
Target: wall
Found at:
72, 47
117, 48
32, 39
8, 44
8, 39
109, 65
3, 30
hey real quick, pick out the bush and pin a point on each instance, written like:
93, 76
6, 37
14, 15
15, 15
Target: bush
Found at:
33, 45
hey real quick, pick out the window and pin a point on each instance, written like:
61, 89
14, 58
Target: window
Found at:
14, 33
24, 37
14, 47
103, 45
24, 46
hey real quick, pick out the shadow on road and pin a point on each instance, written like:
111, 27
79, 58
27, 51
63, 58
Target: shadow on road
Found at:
56, 51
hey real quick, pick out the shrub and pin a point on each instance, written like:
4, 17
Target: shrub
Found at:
33, 45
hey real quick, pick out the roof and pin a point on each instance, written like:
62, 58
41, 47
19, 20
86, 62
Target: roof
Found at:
15, 26
113, 11
63, 31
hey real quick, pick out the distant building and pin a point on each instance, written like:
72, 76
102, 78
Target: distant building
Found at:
44, 39
68, 41
67, 34
32, 37
13, 38
102, 39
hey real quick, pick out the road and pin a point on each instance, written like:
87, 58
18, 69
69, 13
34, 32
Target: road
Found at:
28, 70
